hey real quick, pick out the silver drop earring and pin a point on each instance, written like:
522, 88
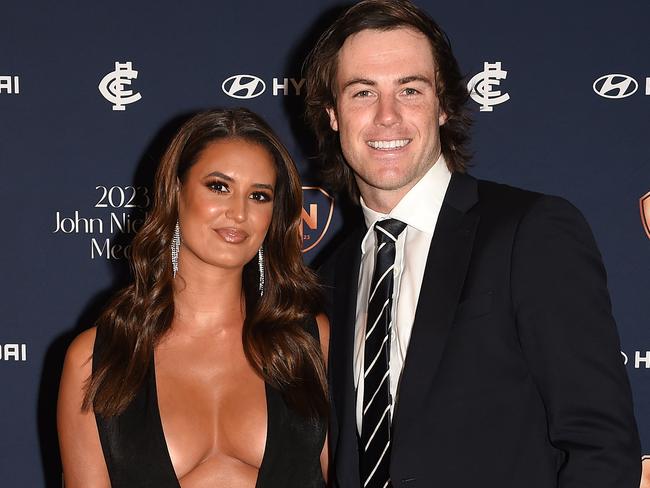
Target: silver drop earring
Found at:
260, 262
175, 245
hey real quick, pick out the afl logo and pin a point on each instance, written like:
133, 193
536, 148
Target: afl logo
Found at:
615, 86
644, 203
318, 208
243, 86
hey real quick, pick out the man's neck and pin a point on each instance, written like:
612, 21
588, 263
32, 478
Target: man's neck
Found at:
382, 201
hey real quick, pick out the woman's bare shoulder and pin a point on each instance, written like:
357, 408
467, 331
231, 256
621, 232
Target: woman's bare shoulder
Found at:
80, 350
81, 452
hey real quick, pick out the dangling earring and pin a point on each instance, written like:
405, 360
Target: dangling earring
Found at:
260, 262
175, 245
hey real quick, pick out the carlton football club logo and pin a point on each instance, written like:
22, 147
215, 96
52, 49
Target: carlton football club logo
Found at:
480, 87
318, 208
644, 204
113, 86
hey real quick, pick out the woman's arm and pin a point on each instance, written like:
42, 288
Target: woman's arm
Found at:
81, 452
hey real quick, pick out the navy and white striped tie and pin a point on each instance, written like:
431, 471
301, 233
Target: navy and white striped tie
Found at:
375, 425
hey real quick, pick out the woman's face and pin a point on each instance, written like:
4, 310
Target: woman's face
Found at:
226, 204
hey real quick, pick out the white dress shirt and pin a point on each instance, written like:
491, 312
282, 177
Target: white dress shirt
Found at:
419, 210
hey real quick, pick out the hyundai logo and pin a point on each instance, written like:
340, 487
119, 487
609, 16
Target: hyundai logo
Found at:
243, 86
615, 86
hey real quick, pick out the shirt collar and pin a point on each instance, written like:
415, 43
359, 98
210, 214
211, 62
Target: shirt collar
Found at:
420, 207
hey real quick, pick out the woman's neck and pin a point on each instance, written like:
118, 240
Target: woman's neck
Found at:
207, 299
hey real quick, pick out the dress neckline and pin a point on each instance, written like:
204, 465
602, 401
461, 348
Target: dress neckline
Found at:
161, 431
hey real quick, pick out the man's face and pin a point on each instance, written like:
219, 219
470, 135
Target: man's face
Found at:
387, 112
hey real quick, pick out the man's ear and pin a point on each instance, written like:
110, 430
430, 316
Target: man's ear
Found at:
334, 123
442, 118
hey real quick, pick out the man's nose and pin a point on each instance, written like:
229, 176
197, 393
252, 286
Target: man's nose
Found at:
388, 113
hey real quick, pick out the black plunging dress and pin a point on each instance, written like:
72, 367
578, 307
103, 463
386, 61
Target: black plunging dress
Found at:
136, 452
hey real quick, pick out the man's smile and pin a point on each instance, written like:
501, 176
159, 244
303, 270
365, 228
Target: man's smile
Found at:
388, 144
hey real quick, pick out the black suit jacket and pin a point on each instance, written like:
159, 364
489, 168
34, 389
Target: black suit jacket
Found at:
513, 375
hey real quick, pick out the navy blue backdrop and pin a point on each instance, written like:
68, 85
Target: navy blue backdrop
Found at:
90, 94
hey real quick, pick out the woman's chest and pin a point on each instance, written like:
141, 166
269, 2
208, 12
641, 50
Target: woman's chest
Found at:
213, 414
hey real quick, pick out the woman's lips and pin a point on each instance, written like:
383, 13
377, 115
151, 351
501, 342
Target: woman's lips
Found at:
231, 235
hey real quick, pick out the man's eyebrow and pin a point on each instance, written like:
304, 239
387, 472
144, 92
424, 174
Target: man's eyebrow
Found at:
412, 78
358, 81
401, 81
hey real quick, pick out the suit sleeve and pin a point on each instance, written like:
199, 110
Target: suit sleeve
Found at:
570, 342
326, 278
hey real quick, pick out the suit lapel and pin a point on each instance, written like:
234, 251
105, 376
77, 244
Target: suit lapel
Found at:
341, 358
444, 276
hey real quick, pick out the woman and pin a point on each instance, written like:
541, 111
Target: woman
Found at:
207, 370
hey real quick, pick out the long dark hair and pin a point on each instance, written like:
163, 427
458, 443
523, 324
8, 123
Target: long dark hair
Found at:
275, 341
321, 70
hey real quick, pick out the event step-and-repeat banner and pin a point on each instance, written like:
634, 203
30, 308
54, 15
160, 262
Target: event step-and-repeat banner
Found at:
90, 94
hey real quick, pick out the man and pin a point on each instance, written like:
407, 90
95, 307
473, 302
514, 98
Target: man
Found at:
472, 341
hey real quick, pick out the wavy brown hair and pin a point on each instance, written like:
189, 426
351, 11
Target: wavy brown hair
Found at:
274, 337
321, 70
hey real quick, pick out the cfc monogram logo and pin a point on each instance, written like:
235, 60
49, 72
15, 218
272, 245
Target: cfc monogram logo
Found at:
480, 86
112, 86
318, 208
644, 204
